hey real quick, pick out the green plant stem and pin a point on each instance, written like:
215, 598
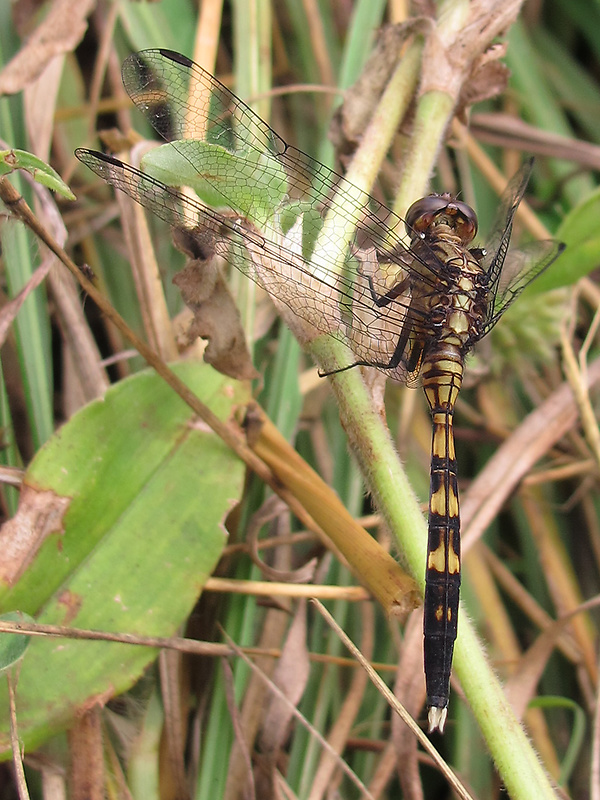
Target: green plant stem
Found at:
341, 220
384, 123
434, 112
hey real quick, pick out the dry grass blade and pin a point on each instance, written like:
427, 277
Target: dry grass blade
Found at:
377, 570
14, 737
313, 731
529, 442
507, 131
338, 735
458, 787
521, 685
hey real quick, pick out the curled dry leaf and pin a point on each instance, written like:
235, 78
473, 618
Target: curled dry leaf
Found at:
216, 316
463, 62
271, 509
60, 32
489, 78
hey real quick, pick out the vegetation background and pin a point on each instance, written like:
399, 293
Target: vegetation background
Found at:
124, 515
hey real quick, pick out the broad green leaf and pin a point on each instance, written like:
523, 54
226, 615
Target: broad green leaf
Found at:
13, 645
252, 184
579, 231
133, 494
41, 172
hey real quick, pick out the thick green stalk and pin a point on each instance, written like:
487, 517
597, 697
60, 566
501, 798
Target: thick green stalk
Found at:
434, 112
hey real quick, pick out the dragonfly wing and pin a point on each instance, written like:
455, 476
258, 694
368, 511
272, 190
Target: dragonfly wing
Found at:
499, 238
183, 101
522, 267
332, 294
341, 305
508, 278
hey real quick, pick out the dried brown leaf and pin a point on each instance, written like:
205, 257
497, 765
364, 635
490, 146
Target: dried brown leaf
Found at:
521, 685
453, 60
360, 100
60, 32
409, 688
40, 107
86, 764
489, 78
290, 675
216, 316
347, 716
40, 514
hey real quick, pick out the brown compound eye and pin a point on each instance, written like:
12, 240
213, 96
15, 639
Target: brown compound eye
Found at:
441, 208
465, 221
421, 214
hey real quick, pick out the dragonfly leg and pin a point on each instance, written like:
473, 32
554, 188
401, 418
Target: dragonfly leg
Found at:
382, 300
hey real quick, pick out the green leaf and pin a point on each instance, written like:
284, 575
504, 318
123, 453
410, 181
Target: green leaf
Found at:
133, 495
312, 222
13, 645
252, 184
41, 172
579, 231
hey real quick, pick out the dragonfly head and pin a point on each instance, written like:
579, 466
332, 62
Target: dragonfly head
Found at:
436, 210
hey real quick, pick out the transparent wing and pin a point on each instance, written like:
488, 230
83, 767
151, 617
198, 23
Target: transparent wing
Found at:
499, 238
341, 305
507, 277
521, 268
183, 101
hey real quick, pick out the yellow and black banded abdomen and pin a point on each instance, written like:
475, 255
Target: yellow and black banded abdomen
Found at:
442, 378
442, 577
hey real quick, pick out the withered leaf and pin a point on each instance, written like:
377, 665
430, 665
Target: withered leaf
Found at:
360, 100
291, 676
40, 514
489, 78
216, 317
60, 32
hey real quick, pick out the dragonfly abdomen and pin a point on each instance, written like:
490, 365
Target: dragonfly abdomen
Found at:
442, 378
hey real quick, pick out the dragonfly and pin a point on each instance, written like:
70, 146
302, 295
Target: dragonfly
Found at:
411, 304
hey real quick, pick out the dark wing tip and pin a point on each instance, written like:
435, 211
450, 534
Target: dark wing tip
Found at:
83, 154
178, 58
143, 58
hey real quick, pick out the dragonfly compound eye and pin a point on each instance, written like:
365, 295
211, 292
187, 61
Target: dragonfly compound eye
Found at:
421, 214
465, 221
436, 209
